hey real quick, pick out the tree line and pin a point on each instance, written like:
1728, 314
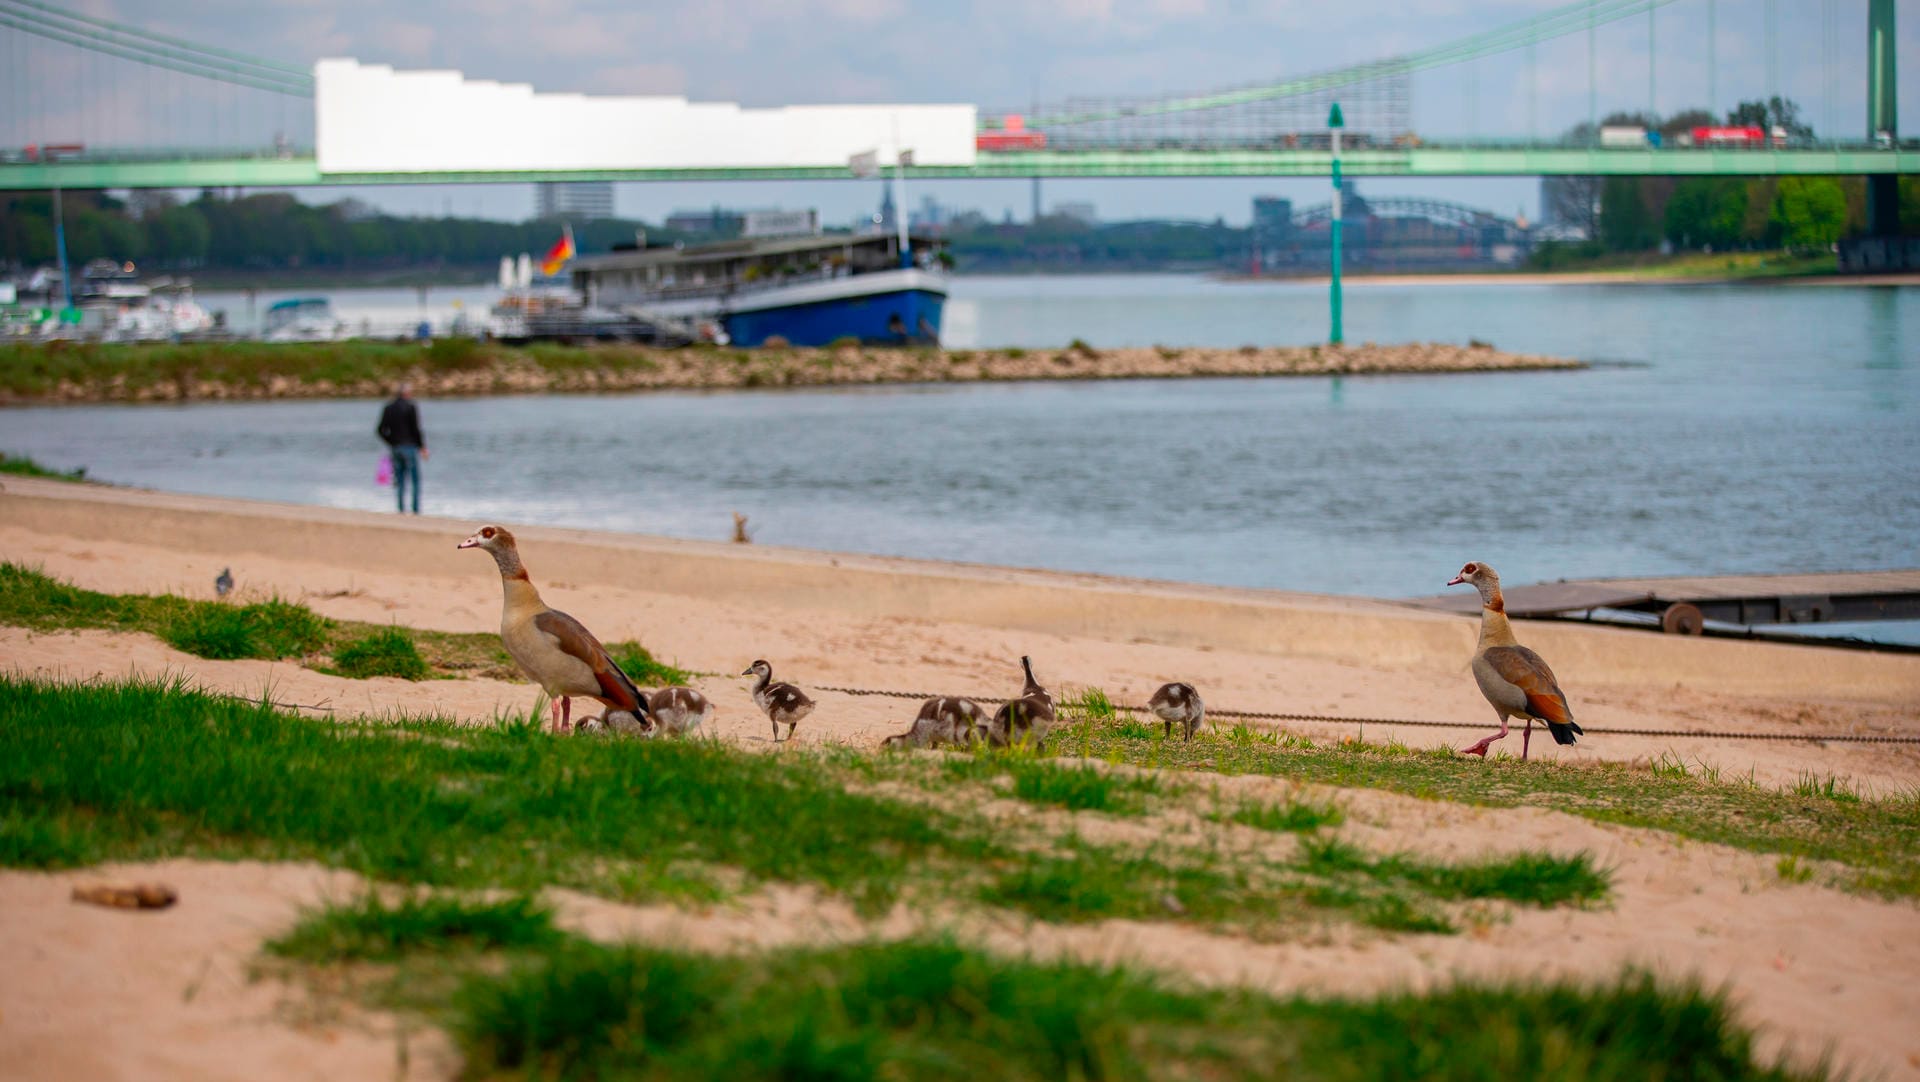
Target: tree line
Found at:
1711, 213
271, 231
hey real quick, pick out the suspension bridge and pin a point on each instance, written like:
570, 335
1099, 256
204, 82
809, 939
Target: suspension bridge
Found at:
99, 104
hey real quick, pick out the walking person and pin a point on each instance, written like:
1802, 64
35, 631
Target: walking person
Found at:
400, 428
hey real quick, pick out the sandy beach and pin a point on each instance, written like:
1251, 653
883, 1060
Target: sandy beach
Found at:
1815, 968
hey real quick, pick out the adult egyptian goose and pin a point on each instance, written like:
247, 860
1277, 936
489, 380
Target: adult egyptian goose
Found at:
1513, 678
552, 648
1026, 718
782, 702
1178, 703
943, 719
678, 711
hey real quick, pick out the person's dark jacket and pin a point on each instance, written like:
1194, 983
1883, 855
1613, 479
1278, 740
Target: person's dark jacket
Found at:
400, 424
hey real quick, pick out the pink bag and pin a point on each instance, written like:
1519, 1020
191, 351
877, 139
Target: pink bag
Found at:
383, 474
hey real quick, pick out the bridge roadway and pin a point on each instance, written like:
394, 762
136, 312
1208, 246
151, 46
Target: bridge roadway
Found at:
188, 169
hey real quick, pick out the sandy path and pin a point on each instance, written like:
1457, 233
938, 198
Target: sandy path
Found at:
108, 994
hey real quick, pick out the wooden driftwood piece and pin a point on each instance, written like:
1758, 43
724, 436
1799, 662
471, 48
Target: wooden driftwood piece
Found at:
137, 896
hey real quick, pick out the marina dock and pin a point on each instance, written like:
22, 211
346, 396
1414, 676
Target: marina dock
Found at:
1684, 604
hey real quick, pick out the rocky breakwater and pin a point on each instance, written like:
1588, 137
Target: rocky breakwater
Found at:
173, 374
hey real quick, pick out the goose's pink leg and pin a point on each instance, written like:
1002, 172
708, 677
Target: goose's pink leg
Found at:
553, 716
1480, 748
1526, 735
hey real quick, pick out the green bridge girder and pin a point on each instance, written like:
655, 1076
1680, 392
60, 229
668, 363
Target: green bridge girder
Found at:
185, 171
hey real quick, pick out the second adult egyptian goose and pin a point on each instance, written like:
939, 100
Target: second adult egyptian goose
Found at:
552, 648
1026, 718
782, 702
1179, 703
1513, 678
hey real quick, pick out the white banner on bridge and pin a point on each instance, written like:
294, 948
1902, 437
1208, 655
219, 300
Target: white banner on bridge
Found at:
370, 118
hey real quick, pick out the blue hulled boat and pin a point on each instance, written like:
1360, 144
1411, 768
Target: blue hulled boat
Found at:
809, 290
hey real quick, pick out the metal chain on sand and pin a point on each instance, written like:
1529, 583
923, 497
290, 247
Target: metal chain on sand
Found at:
1330, 719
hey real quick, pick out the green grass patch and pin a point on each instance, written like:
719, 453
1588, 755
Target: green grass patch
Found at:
1399, 913
282, 629
269, 629
1290, 815
141, 769
933, 1009
1877, 839
1827, 788
373, 930
144, 770
1654, 266
1395, 893
212, 629
31, 599
1045, 781
387, 652
1092, 704
1080, 882
1082, 788
1541, 880
644, 669
22, 466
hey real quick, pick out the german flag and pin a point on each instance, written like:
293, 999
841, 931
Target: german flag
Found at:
558, 255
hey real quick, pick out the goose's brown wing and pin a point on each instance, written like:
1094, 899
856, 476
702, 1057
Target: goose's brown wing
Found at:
1527, 671
575, 640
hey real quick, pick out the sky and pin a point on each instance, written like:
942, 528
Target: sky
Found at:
999, 54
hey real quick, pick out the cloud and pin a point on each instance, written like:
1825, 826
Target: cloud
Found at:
1177, 9
1080, 10
411, 40
866, 11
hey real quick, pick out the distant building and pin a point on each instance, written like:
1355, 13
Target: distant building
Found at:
1272, 229
714, 222
580, 201
1383, 233
1084, 213
774, 222
932, 216
722, 223
1569, 206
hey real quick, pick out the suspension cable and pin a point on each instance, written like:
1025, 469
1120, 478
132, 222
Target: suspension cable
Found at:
148, 38
156, 50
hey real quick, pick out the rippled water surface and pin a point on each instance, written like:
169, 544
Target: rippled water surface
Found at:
1722, 429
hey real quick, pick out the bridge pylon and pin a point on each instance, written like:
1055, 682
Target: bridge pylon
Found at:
1883, 190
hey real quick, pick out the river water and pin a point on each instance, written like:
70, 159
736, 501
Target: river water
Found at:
1722, 429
